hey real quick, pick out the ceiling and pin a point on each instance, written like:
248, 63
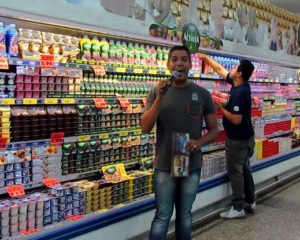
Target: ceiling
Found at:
290, 5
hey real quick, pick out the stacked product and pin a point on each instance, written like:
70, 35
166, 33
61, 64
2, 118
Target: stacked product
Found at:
213, 163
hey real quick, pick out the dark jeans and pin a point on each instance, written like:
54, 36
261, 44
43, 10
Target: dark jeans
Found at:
239, 172
170, 191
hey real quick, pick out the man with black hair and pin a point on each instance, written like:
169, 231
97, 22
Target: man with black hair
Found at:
181, 109
240, 136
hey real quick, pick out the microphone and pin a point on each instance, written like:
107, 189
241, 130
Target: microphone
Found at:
173, 76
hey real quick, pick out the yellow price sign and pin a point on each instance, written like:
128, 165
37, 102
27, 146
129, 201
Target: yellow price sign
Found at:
84, 138
197, 75
68, 101
8, 101
104, 136
138, 132
152, 71
29, 101
167, 72
123, 134
50, 100
138, 71
120, 70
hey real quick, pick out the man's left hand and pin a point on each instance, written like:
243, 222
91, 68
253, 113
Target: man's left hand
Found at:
193, 145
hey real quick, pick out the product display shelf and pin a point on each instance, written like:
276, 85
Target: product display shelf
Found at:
124, 215
215, 155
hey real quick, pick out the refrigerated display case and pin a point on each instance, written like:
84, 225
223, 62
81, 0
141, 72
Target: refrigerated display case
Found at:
70, 108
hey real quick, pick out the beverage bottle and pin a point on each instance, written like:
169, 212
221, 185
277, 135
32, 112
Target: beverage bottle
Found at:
85, 48
11, 40
2, 40
95, 49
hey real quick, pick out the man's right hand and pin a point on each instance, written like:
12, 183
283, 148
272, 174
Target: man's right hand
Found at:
159, 88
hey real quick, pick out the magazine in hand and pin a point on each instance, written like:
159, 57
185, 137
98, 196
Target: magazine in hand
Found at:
180, 157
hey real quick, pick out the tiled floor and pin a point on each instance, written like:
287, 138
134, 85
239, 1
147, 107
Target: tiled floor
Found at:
277, 218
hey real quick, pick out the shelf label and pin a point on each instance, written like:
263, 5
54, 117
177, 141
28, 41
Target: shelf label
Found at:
8, 101
167, 72
84, 138
3, 143
197, 75
124, 102
47, 60
120, 70
29, 101
138, 71
100, 102
74, 217
3, 63
123, 134
99, 70
51, 182
31, 231
15, 190
57, 138
152, 71
138, 132
51, 101
68, 101
104, 136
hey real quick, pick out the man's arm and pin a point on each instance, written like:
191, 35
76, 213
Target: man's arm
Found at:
215, 65
150, 115
209, 137
234, 118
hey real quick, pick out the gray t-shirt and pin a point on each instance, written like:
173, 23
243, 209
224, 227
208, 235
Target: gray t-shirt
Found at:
182, 110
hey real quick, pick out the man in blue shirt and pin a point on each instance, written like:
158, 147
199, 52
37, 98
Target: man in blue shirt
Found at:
240, 136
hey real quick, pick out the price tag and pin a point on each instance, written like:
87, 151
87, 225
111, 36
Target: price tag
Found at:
3, 143
84, 138
138, 132
29, 101
57, 138
168, 72
50, 100
123, 134
138, 71
74, 217
100, 102
68, 101
152, 71
197, 75
15, 190
120, 70
8, 101
31, 231
124, 102
51, 182
3, 63
47, 60
99, 70
104, 136
144, 100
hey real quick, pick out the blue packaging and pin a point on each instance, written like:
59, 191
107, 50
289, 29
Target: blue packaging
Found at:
11, 40
55, 217
2, 40
47, 220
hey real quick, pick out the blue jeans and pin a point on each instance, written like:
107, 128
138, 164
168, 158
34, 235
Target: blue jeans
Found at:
170, 191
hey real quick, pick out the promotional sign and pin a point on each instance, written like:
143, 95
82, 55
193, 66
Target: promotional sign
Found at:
191, 37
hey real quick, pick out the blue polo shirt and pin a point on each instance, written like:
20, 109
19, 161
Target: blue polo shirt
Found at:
239, 103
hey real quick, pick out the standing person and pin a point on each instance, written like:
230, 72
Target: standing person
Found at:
181, 109
240, 136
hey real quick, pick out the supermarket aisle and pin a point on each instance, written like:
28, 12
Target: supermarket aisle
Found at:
277, 218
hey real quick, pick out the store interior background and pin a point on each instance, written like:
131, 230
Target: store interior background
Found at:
111, 215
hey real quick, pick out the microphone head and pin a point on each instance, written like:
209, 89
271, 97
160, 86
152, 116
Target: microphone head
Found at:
174, 75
